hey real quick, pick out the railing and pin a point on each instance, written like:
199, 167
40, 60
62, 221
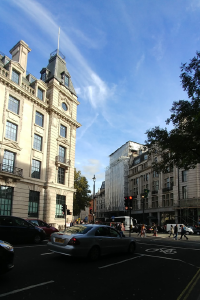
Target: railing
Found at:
11, 169
167, 189
63, 160
57, 52
154, 192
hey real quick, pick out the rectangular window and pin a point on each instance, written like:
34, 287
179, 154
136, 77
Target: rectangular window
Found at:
61, 175
62, 151
37, 144
8, 161
13, 105
60, 200
63, 131
163, 200
147, 177
43, 76
184, 176
184, 192
15, 76
66, 80
40, 94
11, 131
39, 119
35, 171
33, 206
171, 199
6, 195
167, 199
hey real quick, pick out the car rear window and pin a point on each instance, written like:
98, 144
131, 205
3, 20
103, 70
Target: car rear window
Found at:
77, 229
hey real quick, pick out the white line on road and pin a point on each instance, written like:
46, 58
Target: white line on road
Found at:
27, 288
120, 262
168, 246
47, 253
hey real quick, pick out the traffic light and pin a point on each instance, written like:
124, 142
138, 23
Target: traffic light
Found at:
90, 210
146, 191
64, 209
126, 202
130, 198
68, 212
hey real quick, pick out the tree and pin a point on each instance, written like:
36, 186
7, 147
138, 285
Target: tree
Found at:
81, 197
181, 145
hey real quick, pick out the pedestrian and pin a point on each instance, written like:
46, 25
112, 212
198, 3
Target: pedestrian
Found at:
171, 231
183, 233
143, 231
123, 228
154, 230
176, 232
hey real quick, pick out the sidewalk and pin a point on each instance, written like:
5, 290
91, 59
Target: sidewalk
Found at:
192, 237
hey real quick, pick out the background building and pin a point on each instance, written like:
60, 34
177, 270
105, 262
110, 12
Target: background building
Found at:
173, 196
116, 178
38, 136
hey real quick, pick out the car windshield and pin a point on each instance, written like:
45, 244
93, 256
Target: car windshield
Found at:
77, 229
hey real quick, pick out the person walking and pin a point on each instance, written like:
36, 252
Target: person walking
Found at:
183, 233
176, 232
171, 231
143, 231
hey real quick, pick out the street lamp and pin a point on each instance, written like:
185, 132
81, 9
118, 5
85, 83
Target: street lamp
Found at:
143, 199
93, 195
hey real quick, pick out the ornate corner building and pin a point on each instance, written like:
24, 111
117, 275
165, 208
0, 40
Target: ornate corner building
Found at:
37, 137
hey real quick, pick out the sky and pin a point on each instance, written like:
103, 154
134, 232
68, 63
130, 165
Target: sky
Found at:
124, 58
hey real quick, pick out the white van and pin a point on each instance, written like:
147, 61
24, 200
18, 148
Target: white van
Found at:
188, 230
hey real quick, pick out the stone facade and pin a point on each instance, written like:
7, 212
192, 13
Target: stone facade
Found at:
37, 138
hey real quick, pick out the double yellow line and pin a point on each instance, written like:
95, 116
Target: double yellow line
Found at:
186, 292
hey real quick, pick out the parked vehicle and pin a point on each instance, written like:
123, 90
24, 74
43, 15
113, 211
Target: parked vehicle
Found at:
91, 241
6, 257
195, 229
14, 229
188, 230
46, 227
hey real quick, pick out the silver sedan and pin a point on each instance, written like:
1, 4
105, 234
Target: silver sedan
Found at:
90, 241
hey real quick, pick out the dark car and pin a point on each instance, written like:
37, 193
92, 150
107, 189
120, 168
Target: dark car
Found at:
195, 229
46, 227
6, 257
14, 230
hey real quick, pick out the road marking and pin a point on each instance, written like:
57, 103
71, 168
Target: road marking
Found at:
27, 288
169, 246
47, 253
120, 262
163, 250
193, 282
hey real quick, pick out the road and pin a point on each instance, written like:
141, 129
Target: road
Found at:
161, 268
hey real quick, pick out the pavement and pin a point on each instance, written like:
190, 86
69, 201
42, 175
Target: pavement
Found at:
191, 237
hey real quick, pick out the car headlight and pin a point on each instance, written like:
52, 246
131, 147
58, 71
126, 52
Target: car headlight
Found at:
7, 246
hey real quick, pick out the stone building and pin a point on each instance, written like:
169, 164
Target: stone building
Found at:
37, 137
173, 196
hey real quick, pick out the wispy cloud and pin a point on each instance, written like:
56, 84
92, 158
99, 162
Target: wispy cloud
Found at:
89, 85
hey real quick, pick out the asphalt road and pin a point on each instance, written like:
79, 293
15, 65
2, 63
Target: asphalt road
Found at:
161, 268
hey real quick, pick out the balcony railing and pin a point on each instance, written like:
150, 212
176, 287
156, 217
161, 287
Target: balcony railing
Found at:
154, 192
11, 170
63, 160
167, 189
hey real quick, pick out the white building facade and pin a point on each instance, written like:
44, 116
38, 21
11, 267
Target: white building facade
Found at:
38, 137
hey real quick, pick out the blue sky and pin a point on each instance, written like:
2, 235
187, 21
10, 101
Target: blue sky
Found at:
124, 57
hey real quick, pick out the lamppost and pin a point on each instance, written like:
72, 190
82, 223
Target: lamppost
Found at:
93, 195
143, 200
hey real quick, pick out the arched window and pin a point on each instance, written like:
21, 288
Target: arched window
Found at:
64, 106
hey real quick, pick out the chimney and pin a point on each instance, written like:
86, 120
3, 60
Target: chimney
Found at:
20, 54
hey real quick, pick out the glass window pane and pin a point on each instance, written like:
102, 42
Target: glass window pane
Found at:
13, 105
6, 194
35, 171
61, 175
40, 94
15, 76
33, 204
11, 131
60, 200
37, 144
63, 131
8, 161
39, 119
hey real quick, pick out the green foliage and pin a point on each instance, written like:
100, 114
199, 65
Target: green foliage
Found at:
181, 145
81, 197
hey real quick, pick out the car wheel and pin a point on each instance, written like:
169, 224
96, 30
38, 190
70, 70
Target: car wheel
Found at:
94, 253
187, 232
37, 239
198, 232
131, 248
